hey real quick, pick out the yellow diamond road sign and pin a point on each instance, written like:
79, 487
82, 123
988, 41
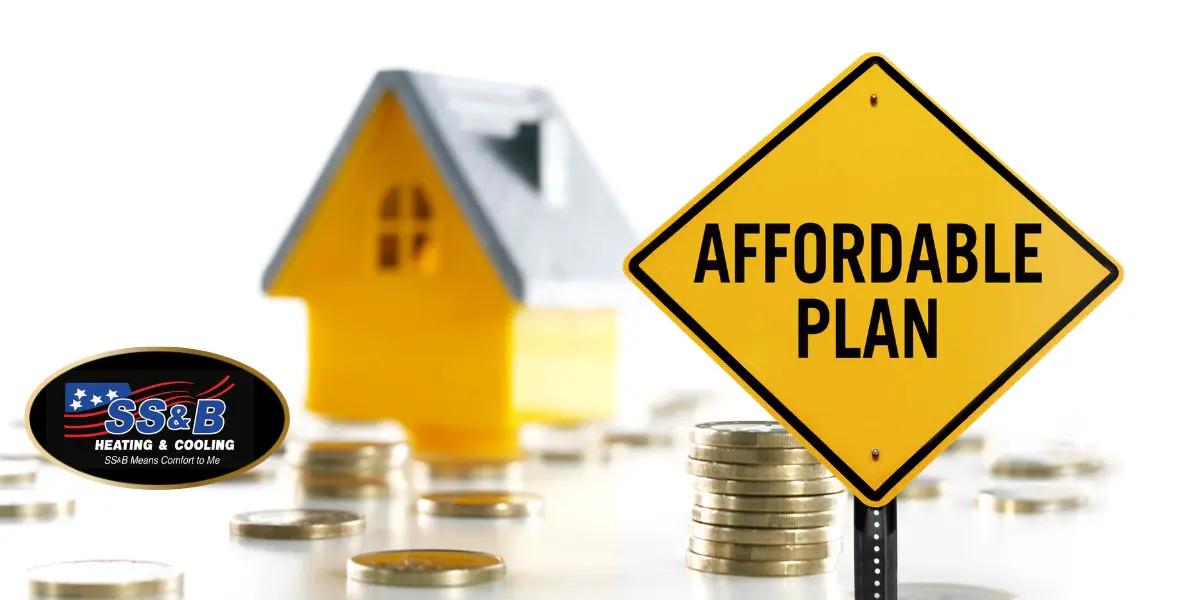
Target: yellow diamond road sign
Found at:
873, 276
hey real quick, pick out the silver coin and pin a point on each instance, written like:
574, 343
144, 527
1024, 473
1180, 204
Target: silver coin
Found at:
744, 434
296, 524
779, 504
812, 487
344, 486
104, 579
950, 591
425, 568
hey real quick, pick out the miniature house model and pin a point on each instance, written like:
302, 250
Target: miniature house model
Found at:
460, 258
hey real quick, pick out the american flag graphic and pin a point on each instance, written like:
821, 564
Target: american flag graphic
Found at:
85, 407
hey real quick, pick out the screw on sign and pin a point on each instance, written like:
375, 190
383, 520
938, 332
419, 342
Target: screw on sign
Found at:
876, 279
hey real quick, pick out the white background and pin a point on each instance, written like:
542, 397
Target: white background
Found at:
151, 157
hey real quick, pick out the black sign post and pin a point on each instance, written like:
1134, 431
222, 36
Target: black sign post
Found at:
875, 552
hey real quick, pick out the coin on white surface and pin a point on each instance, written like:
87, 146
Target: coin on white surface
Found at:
759, 568
104, 579
765, 552
480, 504
780, 504
33, 504
924, 488
1030, 499
744, 434
17, 472
1047, 464
797, 487
296, 524
425, 568
756, 535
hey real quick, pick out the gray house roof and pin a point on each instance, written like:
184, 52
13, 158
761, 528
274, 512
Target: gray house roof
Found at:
534, 199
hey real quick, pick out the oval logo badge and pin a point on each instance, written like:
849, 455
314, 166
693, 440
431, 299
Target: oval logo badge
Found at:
157, 417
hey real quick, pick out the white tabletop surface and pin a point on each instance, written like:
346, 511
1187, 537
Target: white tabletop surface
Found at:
612, 528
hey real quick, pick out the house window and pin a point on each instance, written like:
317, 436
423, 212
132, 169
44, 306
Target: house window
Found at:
405, 238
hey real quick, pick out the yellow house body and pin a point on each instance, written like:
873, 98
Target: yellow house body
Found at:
460, 258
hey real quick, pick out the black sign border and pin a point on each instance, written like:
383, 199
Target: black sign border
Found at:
873, 494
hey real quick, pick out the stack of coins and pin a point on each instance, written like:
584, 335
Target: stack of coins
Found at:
344, 469
764, 505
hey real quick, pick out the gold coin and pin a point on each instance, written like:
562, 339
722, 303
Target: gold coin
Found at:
950, 591
337, 486
1030, 499
744, 434
718, 470
780, 504
1046, 465
749, 535
17, 472
811, 487
344, 457
104, 579
764, 552
465, 470
767, 520
638, 438
759, 568
31, 504
753, 456
924, 488
296, 524
487, 504
968, 444
425, 568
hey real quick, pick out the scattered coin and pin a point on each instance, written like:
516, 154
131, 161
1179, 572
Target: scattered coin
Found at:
781, 504
341, 456
796, 487
1030, 499
765, 552
748, 535
924, 488
753, 456
31, 504
344, 486
744, 434
768, 520
483, 503
717, 470
17, 472
425, 568
104, 579
1048, 464
950, 591
968, 443
777, 568
296, 524
465, 470
638, 438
